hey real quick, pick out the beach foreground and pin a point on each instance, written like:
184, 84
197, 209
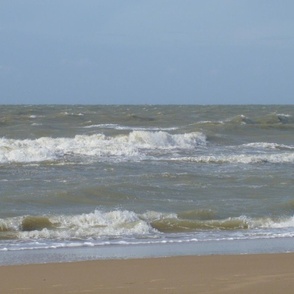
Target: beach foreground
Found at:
257, 273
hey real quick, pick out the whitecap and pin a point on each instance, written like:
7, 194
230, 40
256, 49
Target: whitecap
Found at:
132, 146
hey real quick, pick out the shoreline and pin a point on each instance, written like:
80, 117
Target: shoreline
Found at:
138, 251
252, 273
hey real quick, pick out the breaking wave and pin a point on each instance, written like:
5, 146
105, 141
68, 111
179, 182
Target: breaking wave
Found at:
123, 223
91, 225
131, 146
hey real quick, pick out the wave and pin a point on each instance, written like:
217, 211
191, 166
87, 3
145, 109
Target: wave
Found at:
122, 223
176, 225
276, 118
265, 145
131, 146
138, 145
102, 126
272, 119
209, 122
240, 158
129, 128
66, 113
91, 225
179, 225
240, 119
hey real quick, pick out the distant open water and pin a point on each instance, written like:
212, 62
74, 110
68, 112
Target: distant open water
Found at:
99, 176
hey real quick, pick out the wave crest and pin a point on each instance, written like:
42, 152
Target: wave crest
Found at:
122, 223
133, 145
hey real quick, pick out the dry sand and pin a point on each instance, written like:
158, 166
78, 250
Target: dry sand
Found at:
264, 273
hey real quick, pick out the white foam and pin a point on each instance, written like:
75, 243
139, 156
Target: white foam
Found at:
242, 158
265, 145
164, 140
242, 119
279, 223
210, 122
131, 146
65, 113
128, 128
283, 115
92, 225
117, 223
129, 228
102, 126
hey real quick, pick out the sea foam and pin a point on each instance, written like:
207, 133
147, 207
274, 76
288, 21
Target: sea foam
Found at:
131, 146
124, 223
240, 159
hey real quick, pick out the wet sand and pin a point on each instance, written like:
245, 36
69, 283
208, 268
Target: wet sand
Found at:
257, 273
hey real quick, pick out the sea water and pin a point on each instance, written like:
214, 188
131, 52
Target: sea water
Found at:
122, 181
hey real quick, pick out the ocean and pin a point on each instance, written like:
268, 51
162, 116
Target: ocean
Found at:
83, 182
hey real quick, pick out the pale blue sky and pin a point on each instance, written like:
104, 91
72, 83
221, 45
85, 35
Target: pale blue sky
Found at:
147, 52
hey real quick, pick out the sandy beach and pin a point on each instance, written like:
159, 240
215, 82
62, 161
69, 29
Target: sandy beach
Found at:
262, 273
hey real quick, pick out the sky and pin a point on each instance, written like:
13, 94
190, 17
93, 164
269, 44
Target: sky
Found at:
146, 52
